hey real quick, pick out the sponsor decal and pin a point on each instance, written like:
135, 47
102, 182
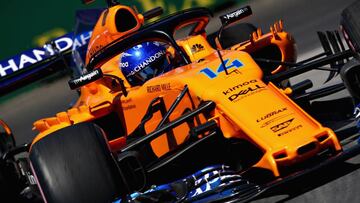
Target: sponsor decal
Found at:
158, 88
246, 92
128, 107
197, 48
228, 91
290, 130
212, 74
282, 125
145, 63
124, 65
126, 104
357, 111
85, 79
235, 14
88, 76
32, 56
125, 101
209, 183
213, 180
271, 114
275, 119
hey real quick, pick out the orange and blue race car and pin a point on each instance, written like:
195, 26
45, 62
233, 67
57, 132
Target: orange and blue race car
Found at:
162, 100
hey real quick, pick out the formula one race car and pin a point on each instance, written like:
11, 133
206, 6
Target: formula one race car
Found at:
219, 104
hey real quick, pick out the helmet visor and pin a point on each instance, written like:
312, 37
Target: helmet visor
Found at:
154, 69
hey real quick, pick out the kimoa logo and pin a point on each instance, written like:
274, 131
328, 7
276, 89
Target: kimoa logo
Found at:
273, 113
238, 86
245, 91
282, 125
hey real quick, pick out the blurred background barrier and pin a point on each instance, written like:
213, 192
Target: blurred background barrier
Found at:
29, 24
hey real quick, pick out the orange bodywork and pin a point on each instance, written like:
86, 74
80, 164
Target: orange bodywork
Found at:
246, 107
105, 30
5, 127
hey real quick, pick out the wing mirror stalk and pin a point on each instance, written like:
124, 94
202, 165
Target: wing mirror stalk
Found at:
233, 17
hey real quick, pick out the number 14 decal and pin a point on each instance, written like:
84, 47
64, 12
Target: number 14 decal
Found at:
211, 74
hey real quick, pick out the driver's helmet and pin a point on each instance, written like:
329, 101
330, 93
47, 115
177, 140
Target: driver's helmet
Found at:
143, 62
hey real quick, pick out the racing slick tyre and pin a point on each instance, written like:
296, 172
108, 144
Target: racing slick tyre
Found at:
233, 34
74, 164
350, 25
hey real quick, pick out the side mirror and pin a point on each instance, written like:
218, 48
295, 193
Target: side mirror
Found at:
232, 17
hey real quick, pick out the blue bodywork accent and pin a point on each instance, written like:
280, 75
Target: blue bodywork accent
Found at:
216, 182
211, 74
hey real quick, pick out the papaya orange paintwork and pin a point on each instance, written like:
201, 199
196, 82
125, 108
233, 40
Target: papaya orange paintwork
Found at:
105, 30
246, 107
6, 128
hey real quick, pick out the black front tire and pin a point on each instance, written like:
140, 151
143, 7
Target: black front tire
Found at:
75, 164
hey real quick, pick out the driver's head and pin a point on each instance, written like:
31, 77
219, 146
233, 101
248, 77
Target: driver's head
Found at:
143, 62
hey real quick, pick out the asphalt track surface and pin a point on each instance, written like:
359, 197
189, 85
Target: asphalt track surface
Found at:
302, 18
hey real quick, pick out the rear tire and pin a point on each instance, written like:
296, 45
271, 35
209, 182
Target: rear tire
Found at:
75, 164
